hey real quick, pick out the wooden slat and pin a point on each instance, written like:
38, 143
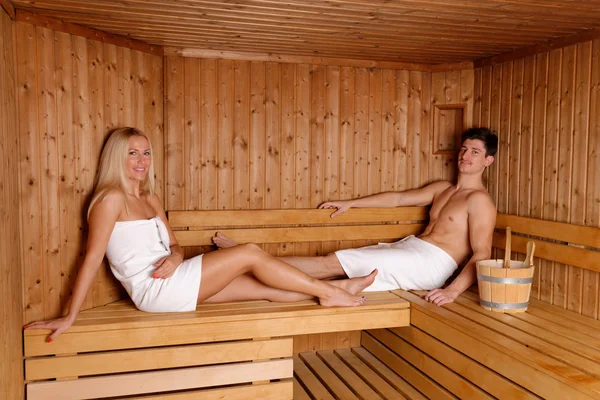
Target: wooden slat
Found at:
370, 377
570, 255
299, 235
452, 381
327, 376
388, 375
299, 392
514, 361
309, 381
348, 376
416, 378
97, 340
486, 379
152, 359
283, 390
160, 381
572, 233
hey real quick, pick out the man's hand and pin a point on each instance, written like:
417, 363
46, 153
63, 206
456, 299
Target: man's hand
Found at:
166, 266
439, 297
341, 205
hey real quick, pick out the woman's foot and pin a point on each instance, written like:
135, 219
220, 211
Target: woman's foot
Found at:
341, 298
355, 285
222, 241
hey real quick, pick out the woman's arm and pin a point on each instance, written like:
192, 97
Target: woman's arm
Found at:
166, 266
101, 223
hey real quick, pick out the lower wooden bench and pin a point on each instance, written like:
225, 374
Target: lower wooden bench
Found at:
116, 351
465, 351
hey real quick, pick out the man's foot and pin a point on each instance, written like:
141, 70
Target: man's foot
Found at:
341, 298
222, 241
355, 285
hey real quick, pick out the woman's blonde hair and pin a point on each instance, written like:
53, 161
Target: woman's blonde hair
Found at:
111, 169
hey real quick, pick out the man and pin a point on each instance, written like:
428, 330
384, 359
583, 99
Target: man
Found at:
462, 220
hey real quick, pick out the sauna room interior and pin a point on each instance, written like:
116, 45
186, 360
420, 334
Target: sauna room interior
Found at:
268, 105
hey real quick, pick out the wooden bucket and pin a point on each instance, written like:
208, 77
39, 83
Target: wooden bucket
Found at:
505, 285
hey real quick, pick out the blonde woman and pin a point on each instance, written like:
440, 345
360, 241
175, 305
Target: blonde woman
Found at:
127, 223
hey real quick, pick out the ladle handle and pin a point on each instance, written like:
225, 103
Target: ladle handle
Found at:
507, 249
530, 251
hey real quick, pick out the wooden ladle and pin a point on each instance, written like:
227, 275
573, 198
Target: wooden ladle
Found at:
507, 249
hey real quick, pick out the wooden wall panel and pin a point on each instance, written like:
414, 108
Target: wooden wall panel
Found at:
11, 316
71, 91
545, 109
295, 135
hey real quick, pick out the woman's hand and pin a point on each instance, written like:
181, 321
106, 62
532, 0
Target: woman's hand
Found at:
58, 326
166, 266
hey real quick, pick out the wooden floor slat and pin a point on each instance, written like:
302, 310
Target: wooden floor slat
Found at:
403, 387
358, 386
310, 381
327, 376
377, 383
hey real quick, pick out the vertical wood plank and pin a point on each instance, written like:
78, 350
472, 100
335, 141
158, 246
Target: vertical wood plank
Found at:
174, 105
551, 161
538, 160
565, 154
29, 139
50, 200
361, 138
273, 142
153, 115
426, 133
503, 163
514, 159
70, 236
401, 131
241, 128
302, 156
347, 136
111, 86
192, 156
331, 184
374, 134
494, 122
387, 130
581, 121
438, 97
288, 144
209, 133
225, 140
413, 145
317, 143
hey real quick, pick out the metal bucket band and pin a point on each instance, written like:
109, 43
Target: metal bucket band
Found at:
510, 281
503, 306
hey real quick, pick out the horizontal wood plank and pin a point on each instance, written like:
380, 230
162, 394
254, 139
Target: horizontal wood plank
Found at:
309, 216
300, 235
569, 233
156, 358
160, 381
575, 256
273, 391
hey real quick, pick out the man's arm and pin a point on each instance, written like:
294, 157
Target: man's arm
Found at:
414, 197
482, 220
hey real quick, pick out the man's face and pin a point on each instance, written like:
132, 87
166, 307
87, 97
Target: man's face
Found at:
472, 158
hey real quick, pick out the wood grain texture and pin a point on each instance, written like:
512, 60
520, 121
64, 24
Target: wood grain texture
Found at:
544, 107
71, 92
11, 312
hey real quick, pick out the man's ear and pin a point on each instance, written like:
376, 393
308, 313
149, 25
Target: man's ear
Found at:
489, 160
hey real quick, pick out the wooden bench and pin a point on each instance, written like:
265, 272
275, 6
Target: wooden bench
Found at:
465, 351
240, 350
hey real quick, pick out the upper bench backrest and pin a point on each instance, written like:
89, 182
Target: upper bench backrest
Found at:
195, 228
570, 244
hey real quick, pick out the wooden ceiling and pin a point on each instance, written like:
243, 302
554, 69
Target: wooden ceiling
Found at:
417, 31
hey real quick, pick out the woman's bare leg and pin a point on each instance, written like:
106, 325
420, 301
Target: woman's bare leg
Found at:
247, 287
220, 268
320, 267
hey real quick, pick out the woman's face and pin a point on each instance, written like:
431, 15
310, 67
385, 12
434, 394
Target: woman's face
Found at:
138, 158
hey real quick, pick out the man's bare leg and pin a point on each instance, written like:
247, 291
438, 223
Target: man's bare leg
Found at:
320, 267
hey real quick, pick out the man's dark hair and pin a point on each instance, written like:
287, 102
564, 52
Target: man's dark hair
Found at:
487, 136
